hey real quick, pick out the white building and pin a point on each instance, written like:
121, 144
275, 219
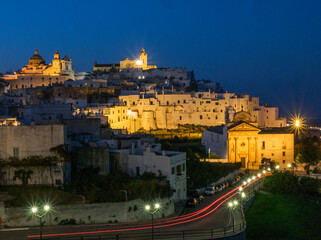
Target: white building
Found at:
170, 164
137, 153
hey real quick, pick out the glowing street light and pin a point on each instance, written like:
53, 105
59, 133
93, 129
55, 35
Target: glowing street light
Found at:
232, 206
244, 183
34, 209
240, 189
259, 175
40, 213
243, 195
139, 62
264, 171
289, 165
253, 177
277, 167
269, 169
152, 212
249, 180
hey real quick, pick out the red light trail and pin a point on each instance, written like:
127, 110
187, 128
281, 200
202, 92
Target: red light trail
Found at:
161, 223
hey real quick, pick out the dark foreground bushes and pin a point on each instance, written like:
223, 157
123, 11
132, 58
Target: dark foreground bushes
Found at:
288, 183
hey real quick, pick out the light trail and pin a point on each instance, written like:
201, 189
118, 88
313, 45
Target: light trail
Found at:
161, 223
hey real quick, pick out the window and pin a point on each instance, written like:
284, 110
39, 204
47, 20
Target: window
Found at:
137, 171
173, 170
16, 152
180, 117
178, 101
283, 161
58, 182
179, 170
183, 167
201, 117
263, 145
283, 154
184, 101
167, 103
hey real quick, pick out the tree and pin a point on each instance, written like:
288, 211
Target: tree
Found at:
309, 153
23, 176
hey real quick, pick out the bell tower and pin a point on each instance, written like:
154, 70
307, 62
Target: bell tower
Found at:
143, 58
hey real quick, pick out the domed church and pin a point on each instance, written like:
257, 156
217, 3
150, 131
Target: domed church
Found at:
37, 73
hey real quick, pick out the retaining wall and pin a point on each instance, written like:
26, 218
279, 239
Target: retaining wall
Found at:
87, 213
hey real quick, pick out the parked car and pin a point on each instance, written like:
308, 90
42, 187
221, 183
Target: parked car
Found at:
232, 182
191, 202
209, 191
219, 188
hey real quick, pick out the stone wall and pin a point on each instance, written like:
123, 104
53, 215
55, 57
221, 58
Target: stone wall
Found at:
88, 213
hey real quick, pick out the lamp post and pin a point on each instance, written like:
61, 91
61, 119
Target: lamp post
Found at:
243, 195
232, 205
40, 213
152, 212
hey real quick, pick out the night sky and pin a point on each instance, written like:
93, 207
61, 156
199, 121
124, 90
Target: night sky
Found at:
270, 49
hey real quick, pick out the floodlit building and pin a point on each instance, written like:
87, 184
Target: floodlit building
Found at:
243, 141
38, 73
141, 62
167, 111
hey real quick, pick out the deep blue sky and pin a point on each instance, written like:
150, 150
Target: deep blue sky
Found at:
270, 49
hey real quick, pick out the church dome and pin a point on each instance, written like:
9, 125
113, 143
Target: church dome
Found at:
36, 59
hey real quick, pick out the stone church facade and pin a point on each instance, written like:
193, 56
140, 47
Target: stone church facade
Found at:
243, 141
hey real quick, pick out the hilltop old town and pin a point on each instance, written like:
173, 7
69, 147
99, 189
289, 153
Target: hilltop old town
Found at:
128, 132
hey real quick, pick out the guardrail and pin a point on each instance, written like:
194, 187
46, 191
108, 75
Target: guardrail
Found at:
208, 233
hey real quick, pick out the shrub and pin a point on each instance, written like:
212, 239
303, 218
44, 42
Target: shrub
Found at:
286, 183
310, 185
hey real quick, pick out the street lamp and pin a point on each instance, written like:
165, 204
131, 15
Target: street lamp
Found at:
253, 177
244, 183
40, 213
152, 212
264, 171
259, 175
233, 205
243, 195
277, 167
269, 169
